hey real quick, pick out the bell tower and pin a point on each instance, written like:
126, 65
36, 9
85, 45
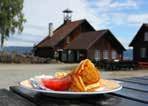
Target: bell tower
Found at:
67, 15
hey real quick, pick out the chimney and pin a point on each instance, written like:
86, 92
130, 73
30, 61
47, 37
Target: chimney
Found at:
50, 29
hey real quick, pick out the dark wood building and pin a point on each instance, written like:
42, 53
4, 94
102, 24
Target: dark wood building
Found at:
95, 45
61, 37
140, 44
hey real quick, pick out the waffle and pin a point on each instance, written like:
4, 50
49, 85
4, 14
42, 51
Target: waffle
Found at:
85, 77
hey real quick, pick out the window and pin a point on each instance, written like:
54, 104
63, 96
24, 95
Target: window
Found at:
78, 55
64, 56
146, 36
105, 54
68, 40
114, 54
56, 55
143, 52
97, 55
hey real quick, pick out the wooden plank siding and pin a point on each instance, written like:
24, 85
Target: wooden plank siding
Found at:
103, 45
63, 44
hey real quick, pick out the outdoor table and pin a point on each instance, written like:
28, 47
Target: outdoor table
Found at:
133, 93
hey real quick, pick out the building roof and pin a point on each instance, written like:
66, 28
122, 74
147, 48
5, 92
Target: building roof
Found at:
145, 25
84, 40
87, 39
60, 33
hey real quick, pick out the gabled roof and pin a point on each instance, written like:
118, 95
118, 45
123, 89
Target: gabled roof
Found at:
87, 39
60, 33
144, 26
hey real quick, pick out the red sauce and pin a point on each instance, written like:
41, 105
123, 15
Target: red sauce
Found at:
57, 84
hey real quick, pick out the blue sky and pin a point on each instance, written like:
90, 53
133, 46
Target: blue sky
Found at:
122, 17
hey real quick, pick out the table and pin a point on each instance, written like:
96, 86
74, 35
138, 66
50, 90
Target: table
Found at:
133, 93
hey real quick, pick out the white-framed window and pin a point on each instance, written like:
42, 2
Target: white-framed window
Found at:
146, 36
97, 55
114, 54
105, 54
143, 52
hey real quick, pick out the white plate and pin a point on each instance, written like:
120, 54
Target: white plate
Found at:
68, 94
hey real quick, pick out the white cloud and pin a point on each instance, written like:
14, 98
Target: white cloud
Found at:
17, 43
110, 5
127, 4
128, 19
137, 18
108, 14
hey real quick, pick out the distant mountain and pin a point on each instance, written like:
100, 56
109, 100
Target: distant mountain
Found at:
128, 54
18, 49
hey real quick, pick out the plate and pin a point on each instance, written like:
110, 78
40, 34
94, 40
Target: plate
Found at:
108, 87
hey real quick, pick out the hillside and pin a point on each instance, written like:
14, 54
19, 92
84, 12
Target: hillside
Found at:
18, 49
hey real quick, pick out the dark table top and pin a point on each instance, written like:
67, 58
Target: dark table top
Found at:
133, 93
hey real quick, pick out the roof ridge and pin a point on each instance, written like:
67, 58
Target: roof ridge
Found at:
145, 23
65, 24
78, 20
92, 31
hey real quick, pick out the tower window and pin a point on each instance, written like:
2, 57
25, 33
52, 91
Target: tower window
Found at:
68, 40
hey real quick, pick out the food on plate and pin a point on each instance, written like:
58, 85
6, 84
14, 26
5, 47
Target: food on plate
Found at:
61, 74
85, 77
109, 84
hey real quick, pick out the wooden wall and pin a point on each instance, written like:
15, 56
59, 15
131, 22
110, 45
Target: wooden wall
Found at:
85, 27
138, 44
44, 52
102, 45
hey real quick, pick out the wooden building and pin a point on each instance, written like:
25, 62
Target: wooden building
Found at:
95, 45
140, 45
77, 40
61, 37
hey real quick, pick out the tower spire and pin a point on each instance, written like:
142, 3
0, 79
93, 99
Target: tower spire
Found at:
67, 15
